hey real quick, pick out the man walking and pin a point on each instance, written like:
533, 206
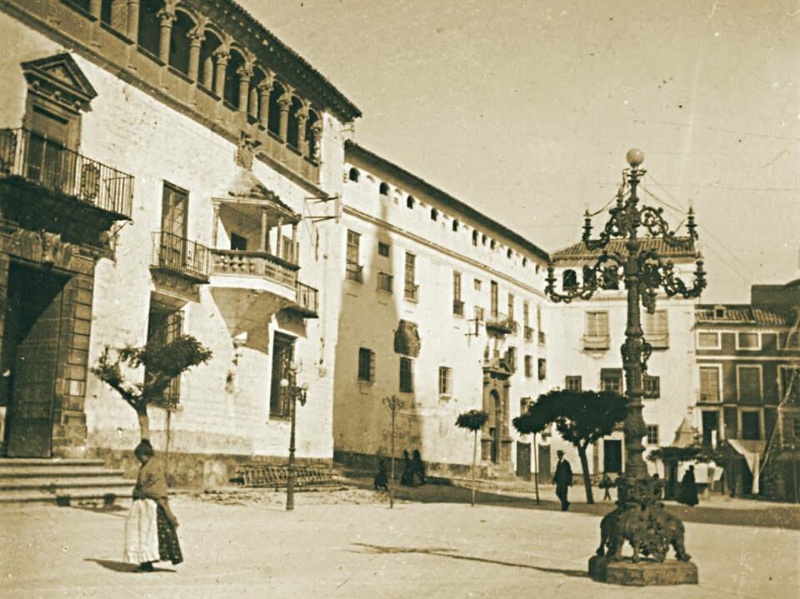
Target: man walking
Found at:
562, 480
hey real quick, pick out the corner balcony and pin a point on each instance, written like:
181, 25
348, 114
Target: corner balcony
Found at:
501, 324
60, 182
306, 302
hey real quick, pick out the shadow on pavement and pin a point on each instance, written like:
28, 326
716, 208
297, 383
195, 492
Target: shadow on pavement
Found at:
123, 566
442, 552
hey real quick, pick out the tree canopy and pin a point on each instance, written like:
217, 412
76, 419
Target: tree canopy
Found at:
472, 420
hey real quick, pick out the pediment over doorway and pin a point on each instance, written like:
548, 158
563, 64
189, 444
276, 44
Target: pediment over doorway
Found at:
59, 79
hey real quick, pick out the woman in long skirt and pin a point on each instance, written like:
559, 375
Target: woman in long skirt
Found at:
150, 534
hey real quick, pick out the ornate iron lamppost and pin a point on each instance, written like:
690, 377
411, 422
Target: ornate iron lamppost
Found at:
296, 393
639, 517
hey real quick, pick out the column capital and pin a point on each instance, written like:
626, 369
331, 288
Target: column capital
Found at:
245, 72
166, 16
222, 54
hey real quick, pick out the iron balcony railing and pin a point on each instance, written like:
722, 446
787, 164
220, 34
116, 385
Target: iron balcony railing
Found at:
35, 158
458, 307
307, 298
355, 272
501, 323
180, 255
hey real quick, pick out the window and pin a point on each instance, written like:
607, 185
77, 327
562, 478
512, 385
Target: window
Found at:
511, 358
529, 366
542, 369
383, 249
476, 284
384, 189
434, 214
492, 244
355, 272
458, 304
474, 238
750, 425
238, 242
573, 383
353, 175
526, 321
511, 306
569, 280
406, 375
709, 384
455, 225
282, 356
445, 381
173, 247
494, 299
790, 385
596, 333
479, 314
748, 381
410, 287
163, 327
708, 340
652, 434
652, 386
656, 329
611, 379
748, 341
385, 281
366, 365
410, 202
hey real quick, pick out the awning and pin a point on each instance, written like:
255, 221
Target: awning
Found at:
406, 339
752, 452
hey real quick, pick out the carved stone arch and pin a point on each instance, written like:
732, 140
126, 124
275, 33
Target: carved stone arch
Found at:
190, 11
181, 41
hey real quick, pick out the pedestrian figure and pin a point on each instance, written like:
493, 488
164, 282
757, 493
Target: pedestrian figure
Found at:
606, 485
688, 493
381, 481
150, 529
562, 479
407, 478
418, 467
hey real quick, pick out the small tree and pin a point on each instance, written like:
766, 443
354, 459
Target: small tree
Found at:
162, 363
581, 418
473, 421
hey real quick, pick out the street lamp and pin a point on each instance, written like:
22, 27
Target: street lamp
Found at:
289, 385
644, 272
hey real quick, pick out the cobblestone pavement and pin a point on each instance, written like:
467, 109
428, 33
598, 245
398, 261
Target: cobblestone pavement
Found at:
345, 542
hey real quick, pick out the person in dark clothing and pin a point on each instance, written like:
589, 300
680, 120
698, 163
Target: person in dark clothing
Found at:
688, 493
407, 478
562, 480
606, 485
418, 467
382, 478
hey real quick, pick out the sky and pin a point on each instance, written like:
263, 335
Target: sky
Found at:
525, 110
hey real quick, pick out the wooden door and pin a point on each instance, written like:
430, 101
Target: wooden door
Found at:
524, 460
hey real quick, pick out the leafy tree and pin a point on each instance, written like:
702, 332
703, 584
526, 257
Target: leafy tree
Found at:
162, 363
581, 418
473, 421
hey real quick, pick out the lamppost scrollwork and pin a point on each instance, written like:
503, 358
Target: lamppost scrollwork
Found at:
295, 393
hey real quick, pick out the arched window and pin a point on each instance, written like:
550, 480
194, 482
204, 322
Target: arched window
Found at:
207, 48
569, 280
475, 238
293, 135
434, 214
354, 174
384, 189
150, 25
179, 42
492, 244
231, 88
275, 109
410, 201
455, 225
524, 261
509, 253
254, 103
483, 239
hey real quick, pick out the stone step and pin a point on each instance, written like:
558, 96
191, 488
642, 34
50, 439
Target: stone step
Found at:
67, 496
54, 462
55, 471
58, 483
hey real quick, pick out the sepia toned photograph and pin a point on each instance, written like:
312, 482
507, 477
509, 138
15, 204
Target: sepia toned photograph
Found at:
372, 299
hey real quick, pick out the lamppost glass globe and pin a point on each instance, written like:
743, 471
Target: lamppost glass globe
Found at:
304, 387
284, 383
634, 157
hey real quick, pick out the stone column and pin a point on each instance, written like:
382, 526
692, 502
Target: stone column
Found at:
223, 56
294, 258
133, 18
208, 73
195, 42
285, 103
96, 8
316, 136
245, 72
264, 89
302, 140
167, 19
264, 247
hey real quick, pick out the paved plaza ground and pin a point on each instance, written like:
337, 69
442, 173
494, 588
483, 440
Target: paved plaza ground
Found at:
345, 542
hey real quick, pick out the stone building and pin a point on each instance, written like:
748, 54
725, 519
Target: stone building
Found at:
440, 306
161, 164
591, 332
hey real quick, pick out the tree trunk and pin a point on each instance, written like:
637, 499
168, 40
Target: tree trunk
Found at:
474, 458
144, 422
587, 481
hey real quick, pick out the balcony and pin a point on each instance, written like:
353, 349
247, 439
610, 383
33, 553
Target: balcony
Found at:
354, 272
596, 342
501, 324
306, 302
179, 256
33, 160
542, 338
458, 307
385, 282
528, 333
411, 292
254, 265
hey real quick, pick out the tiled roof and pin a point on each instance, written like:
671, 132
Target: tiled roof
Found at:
579, 251
743, 314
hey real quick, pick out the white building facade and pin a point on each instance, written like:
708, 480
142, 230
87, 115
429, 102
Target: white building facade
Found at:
440, 307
